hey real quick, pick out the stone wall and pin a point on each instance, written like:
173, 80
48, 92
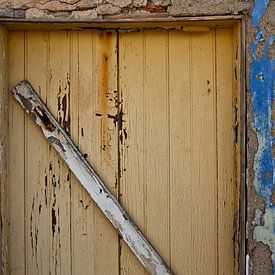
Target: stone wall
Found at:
90, 9
83, 9
260, 76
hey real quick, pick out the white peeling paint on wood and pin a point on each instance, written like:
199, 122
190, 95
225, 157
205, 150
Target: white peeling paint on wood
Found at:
109, 205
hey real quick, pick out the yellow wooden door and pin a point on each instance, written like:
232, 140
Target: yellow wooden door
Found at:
152, 112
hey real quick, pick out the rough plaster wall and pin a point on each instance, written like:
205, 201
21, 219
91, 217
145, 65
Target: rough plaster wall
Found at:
260, 90
206, 7
261, 153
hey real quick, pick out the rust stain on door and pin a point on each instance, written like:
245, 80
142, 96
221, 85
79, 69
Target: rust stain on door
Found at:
106, 97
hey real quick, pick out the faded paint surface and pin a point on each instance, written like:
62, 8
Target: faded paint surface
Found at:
262, 96
171, 195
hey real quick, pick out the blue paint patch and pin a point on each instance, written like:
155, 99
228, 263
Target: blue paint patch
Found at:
262, 94
258, 11
262, 82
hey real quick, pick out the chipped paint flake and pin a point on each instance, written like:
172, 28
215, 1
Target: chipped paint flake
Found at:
258, 217
262, 94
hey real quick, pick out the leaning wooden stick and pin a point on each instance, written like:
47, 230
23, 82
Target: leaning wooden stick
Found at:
83, 171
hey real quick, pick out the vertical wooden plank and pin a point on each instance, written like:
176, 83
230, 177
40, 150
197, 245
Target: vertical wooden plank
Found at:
82, 205
59, 175
203, 159
180, 150
80, 262
93, 236
16, 158
225, 149
132, 143
4, 209
36, 148
105, 150
157, 155
145, 138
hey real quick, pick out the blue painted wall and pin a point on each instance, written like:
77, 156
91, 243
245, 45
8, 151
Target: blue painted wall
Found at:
262, 94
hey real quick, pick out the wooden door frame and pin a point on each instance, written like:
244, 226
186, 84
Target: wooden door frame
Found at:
237, 23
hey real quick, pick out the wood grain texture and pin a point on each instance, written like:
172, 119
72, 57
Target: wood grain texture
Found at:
58, 100
132, 138
157, 142
203, 159
144, 139
180, 152
16, 175
226, 186
4, 116
36, 162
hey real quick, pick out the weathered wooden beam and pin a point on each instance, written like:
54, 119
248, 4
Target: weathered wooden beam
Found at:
83, 171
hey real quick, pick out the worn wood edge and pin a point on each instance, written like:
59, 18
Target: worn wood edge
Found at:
117, 23
4, 152
243, 160
92, 183
239, 153
127, 19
